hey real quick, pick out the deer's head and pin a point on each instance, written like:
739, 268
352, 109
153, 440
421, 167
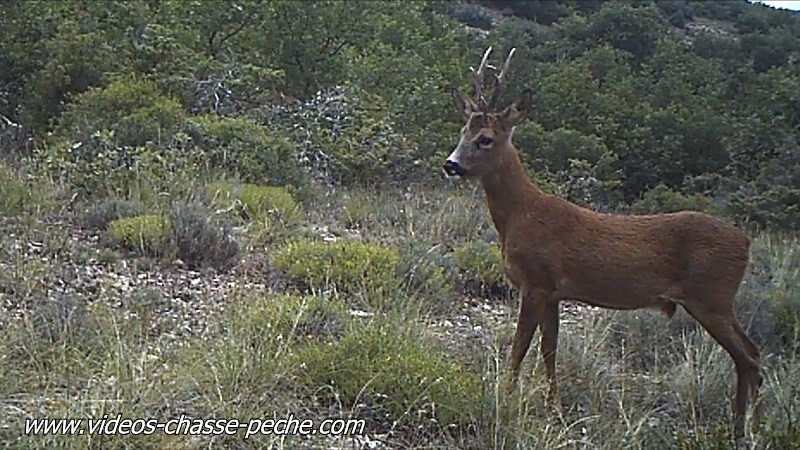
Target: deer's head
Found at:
486, 137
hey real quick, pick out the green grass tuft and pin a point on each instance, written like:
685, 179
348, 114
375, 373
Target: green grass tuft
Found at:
147, 234
347, 266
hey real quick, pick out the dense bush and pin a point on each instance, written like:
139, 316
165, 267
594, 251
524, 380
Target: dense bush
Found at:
348, 266
479, 266
202, 238
133, 109
120, 139
246, 149
662, 199
70, 62
772, 199
393, 375
343, 136
146, 234
100, 167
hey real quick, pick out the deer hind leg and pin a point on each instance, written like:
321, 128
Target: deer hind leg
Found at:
530, 315
756, 383
725, 329
548, 348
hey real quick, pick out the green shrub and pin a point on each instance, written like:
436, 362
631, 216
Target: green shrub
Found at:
258, 337
246, 149
201, 238
100, 167
348, 266
373, 152
479, 266
391, 373
662, 199
275, 202
147, 234
347, 135
294, 319
132, 108
17, 194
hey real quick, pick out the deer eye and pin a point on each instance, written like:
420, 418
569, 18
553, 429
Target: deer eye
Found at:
484, 141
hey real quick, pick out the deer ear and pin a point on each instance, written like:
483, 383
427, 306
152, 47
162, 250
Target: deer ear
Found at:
518, 111
464, 106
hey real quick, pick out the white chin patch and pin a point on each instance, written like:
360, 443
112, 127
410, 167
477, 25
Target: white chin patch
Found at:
453, 177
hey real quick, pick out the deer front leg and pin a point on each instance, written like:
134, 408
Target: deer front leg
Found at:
530, 314
549, 344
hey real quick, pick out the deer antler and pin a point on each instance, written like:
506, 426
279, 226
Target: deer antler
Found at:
498, 83
479, 79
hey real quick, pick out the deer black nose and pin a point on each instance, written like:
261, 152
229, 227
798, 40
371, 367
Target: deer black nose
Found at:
452, 168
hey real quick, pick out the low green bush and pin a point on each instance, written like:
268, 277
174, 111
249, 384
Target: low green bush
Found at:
148, 234
392, 375
479, 266
98, 166
252, 351
272, 211
348, 266
201, 238
17, 194
272, 201
295, 319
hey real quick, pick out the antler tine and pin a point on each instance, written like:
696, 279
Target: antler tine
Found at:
479, 79
498, 83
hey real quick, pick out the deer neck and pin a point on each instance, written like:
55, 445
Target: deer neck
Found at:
509, 190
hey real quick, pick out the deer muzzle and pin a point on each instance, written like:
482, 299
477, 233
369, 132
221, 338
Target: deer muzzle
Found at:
453, 169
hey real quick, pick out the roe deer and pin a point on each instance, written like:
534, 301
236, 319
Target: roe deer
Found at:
554, 250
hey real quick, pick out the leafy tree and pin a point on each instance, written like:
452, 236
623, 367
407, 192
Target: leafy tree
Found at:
627, 27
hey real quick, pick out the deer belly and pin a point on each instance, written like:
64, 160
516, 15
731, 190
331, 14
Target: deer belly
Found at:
613, 294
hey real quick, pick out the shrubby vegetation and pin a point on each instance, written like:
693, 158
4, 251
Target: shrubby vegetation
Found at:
146, 234
279, 162
344, 265
637, 95
480, 267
